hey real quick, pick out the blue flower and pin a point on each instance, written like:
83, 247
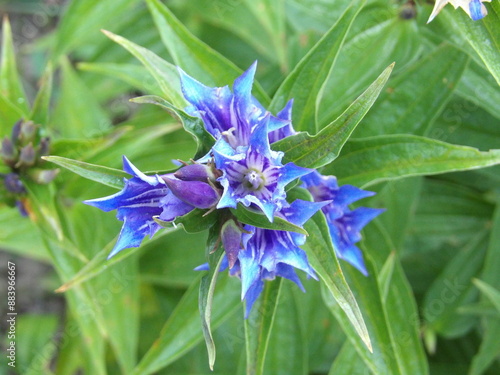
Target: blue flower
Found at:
344, 224
142, 198
474, 8
257, 254
226, 114
255, 175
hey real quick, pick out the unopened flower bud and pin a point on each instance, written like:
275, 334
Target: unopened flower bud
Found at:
8, 151
231, 239
26, 157
195, 172
16, 131
14, 184
43, 176
28, 132
196, 193
44, 146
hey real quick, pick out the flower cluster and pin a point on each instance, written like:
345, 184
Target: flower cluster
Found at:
474, 8
241, 169
21, 155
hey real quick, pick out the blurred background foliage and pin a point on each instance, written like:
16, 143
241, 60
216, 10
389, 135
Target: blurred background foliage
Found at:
435, 250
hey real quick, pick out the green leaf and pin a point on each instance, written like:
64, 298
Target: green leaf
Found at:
164, 73
41, 106
385, 276
77, 113
318, 150
348, 362
257, 219
288, 346
9, 115
259, 325
135, 75
194, 56
182, 330
82, 21
207, 288
193, 222
104, 175
483, 36
192, 125
452, 288
408, 106
489, 291
366, 161
10, 83
323, 259
305, 84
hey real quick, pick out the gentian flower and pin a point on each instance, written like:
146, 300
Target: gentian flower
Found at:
255, 176
344, 224
257, 254
252, 174
145, 197
474, 8
227, 114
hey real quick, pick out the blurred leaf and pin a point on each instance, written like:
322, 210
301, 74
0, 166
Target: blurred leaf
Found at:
249, 216
136, 76
306, 83
36, 345
192, 125
348, 362
194, 56
182, 330
207, 288
82, 20
478, 87
77, 113
259, 325
453, 288
41, 106
407, 106
490, 347
367, 161
484, 37
10, 83
490, 292
318, 150
385, 276
164, 73
104, 175
9, 115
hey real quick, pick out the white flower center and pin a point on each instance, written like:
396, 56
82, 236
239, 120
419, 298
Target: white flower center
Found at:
253, 180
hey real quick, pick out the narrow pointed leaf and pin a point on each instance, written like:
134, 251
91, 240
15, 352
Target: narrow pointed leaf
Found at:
257, 219
483, 36
305, 84
207, 289
320, 149
41, 106
164, 73
194, 56
192, 125
370, 160
104, 175
182, 331
490, 292
10, 82
321, 255
259, 325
